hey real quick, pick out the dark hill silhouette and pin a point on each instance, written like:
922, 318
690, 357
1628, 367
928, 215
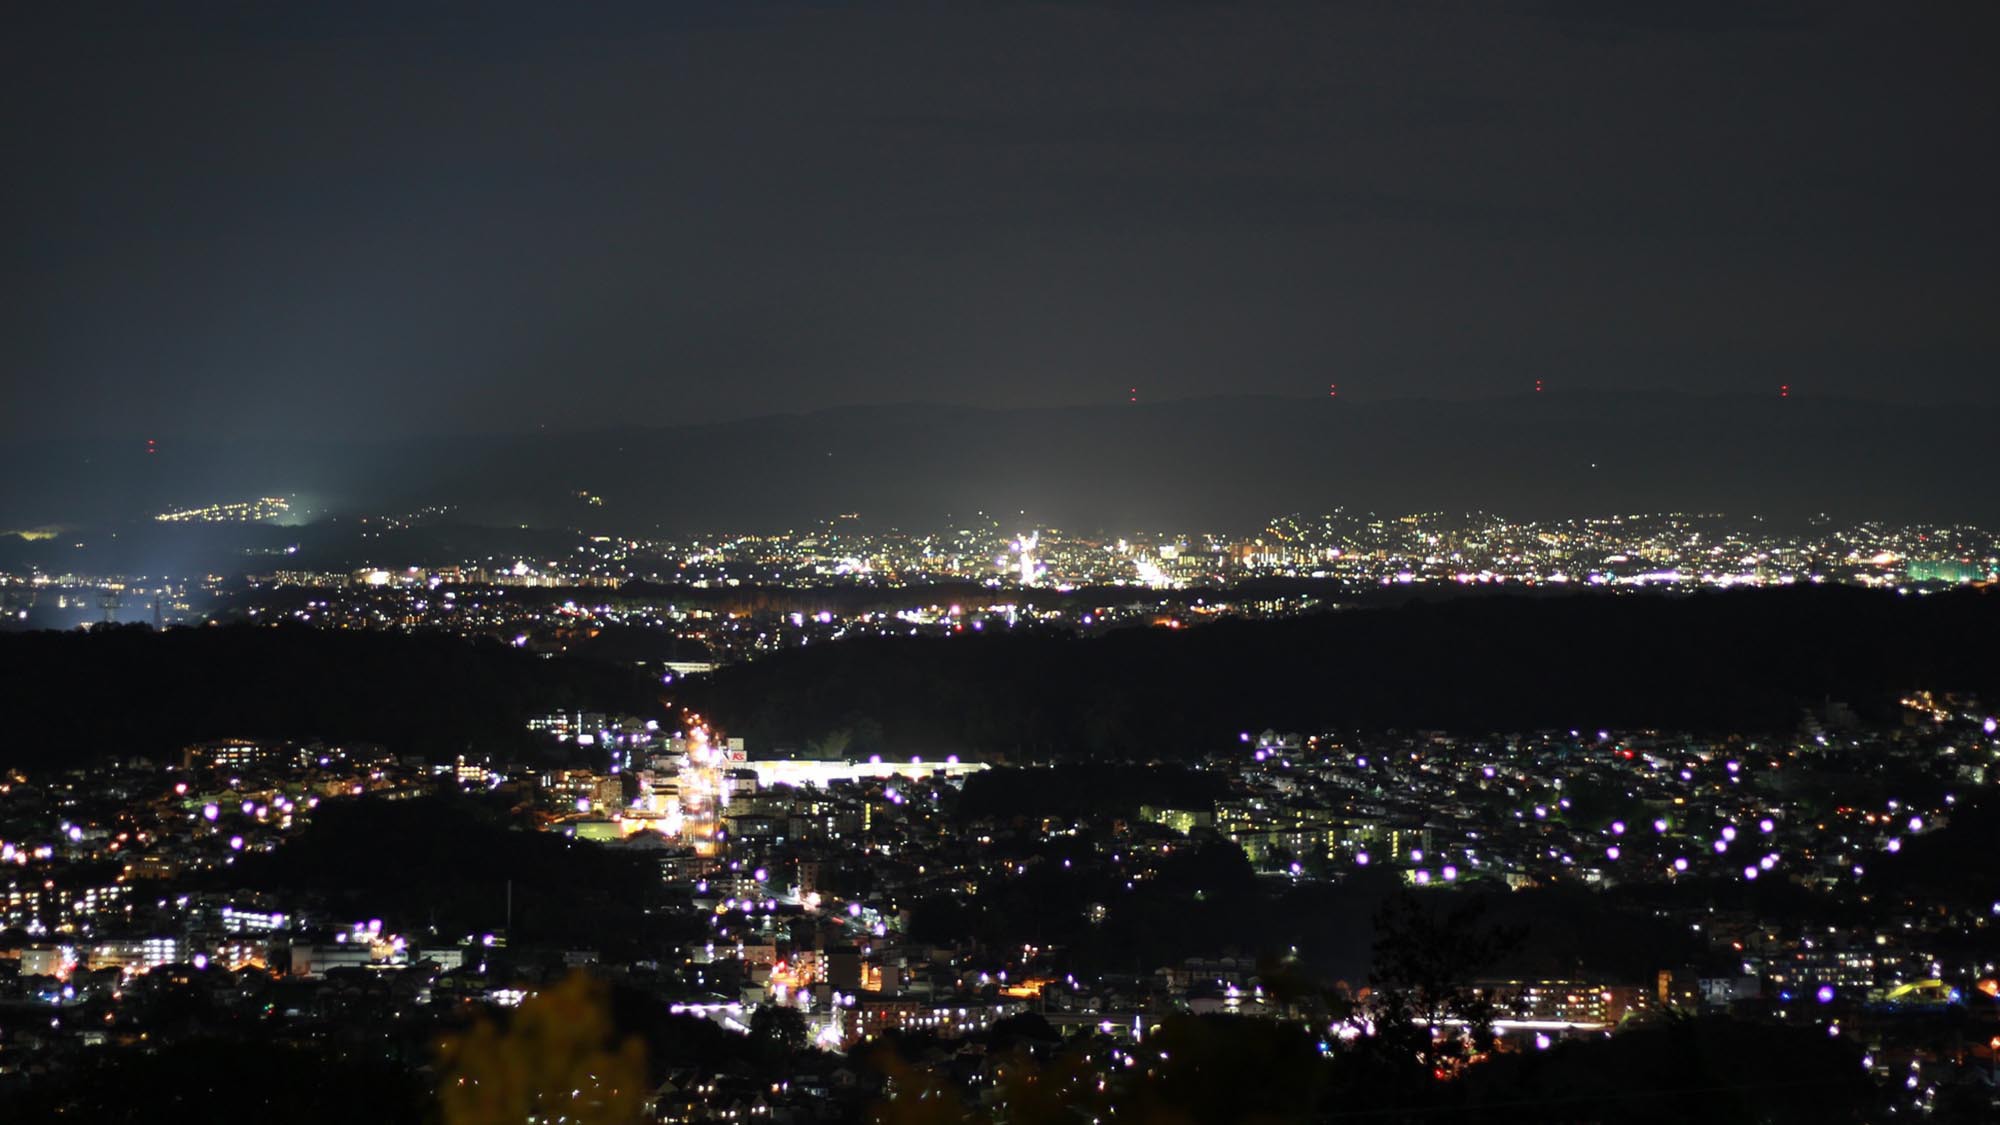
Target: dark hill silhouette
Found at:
1735, 661
76, 697
447, 862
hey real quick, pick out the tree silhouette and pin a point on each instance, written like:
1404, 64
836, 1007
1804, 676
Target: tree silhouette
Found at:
1424, 964
779, 1032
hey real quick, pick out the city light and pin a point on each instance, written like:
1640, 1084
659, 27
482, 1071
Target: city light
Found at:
652, 603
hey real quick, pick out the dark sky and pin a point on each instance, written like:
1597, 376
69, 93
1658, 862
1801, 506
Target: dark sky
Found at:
332, 219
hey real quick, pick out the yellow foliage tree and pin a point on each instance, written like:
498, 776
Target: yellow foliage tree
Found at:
554, 1063
918, 1096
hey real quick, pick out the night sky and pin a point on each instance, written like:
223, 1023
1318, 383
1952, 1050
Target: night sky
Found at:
341, 219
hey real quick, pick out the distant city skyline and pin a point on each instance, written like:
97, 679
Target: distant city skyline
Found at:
1211, 462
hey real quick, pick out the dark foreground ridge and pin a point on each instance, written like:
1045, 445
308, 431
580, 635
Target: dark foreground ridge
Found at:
76, 697
1735, 661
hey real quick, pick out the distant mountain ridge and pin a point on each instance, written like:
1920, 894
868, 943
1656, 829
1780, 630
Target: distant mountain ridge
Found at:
1225, 463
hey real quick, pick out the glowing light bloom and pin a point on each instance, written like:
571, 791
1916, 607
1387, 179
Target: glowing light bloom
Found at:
1721, 846
1767, 826
1680, 863
1734, 766
1450, 873
1916, 824
1361, 859
1825, 994
1423, 878
1541, 1041
1750, 872
1617, 828
1729, 832
854, 910
1768, 862
1660, 825
1894, 845
210, 812
1611, 852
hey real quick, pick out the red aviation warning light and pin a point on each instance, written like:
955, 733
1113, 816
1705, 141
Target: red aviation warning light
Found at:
1784, 390
1538, 386
151, 447
1135, 394
1333, 390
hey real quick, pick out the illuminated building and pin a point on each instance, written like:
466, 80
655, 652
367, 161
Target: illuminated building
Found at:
1183, 821
47, 961
801, 773
138, 955
237, 921
868, 1016
313, 959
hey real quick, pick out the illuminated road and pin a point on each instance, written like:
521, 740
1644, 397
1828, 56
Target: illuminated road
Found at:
703, 795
